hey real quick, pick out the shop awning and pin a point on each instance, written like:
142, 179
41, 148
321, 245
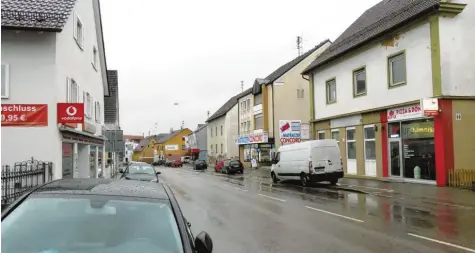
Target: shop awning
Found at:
74, 136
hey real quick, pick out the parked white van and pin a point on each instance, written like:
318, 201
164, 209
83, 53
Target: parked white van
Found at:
310, 161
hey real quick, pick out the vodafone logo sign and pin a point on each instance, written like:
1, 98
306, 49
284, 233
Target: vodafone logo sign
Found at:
71, 110
70, 113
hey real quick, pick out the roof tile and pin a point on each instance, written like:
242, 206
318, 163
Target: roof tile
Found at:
38, 14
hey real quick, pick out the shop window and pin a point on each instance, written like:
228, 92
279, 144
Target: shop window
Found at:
369, 143
418, 149
258, 121
359, 82
394, 130
351, 143
321, 135
397, 70
331, 91
336, 135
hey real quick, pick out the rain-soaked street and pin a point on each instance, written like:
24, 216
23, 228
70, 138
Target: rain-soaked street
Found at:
247, 213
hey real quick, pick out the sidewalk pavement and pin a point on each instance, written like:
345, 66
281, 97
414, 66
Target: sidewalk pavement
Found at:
427, 193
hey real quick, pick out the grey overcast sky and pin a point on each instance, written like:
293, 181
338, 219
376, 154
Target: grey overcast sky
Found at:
195, 53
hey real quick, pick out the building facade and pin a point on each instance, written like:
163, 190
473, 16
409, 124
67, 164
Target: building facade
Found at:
395, 100
166, 146
198, 143
46, 60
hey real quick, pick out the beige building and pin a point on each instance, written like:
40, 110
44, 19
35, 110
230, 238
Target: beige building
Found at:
281, 96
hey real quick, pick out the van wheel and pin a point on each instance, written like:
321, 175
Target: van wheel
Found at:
274, 178
303, 180
333, 181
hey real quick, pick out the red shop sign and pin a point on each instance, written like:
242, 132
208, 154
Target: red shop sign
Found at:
70, 113
24, 115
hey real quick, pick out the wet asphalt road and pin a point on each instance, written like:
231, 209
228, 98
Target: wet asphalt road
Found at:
247, 213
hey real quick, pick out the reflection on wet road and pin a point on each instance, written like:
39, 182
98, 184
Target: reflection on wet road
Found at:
247, 213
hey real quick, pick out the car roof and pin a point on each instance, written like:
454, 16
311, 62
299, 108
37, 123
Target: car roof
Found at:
105, 187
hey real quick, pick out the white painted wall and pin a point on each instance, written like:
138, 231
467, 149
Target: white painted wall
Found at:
80, 69
231, 132
419, 76
216, 138
457, 40
31, 60
246, 115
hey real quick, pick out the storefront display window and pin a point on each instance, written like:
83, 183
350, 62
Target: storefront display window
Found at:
260, 152
418, 149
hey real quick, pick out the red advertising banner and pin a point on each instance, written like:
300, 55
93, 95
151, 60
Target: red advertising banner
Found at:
24, 115
70, 113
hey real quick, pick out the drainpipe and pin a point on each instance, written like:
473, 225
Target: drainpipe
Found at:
303, 76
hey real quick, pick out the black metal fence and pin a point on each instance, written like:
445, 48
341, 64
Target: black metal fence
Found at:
22, 177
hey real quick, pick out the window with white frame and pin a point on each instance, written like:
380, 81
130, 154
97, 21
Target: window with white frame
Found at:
351, 143
98, 112
242, 127
331, 91
216, 130
359, 82
369, 142
221, 148
258, 99
221, 130
321, 135
72, 91
5, 81
89, 105
397, 69
94, 58
211, 132
248, 104
336, 135
300, 93
78, 31
248, 127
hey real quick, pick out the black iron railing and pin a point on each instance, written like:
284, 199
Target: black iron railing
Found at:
22, 177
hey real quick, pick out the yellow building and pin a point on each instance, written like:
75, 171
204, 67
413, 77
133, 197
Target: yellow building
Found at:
168, 146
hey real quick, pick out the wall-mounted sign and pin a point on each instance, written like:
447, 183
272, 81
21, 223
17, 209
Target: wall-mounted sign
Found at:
418, 130
405, 112
70, 113
24, 115
290, 131
253, 138
171, 147
430, 106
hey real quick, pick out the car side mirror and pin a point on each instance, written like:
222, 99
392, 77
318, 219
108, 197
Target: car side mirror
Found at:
158, 172
203, 243
121, 170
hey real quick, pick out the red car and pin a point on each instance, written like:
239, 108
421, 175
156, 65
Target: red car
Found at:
231, 166
176, 163
219, 166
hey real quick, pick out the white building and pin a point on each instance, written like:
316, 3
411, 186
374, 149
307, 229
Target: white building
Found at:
53, 52
222, 129
369, 83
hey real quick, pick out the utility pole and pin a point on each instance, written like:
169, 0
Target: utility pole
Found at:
242, 86
299, 45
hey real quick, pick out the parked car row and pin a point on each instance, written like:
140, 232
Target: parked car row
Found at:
229, 166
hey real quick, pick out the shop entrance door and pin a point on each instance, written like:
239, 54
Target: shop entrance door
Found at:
395, 157
68, 157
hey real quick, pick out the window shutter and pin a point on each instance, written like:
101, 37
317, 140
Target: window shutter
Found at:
68, 89
84, 99
75, 26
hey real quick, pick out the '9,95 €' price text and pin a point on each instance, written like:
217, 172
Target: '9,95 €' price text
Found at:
14, 118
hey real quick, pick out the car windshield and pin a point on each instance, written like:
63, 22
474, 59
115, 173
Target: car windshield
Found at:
140, 169
200, 161
226, 163
91, 224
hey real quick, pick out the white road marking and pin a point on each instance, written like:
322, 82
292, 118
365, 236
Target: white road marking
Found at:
265, 196
339, 215
237, 188
441, 242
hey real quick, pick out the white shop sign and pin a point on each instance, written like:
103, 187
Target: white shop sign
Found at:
405, 112
171, 147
